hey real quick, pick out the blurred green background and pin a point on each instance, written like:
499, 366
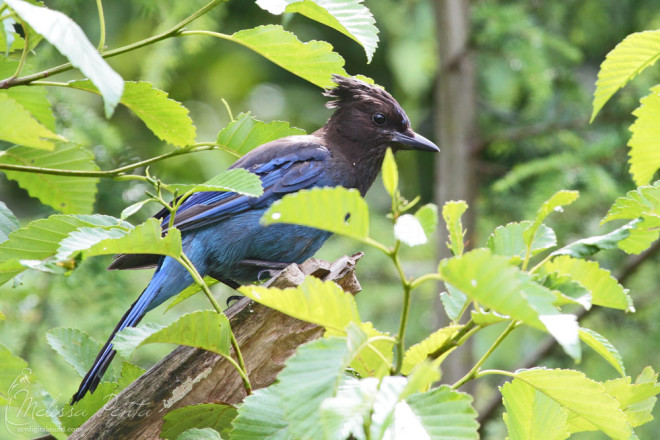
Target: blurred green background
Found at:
536, 64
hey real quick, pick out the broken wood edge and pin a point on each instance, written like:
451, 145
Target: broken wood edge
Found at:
189, 376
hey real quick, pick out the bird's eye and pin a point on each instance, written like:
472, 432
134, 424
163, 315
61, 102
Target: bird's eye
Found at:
379, 118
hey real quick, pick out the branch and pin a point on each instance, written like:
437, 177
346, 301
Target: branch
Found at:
189, 376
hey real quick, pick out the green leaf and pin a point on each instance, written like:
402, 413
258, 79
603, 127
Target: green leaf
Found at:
496, 284
591, 245
604, 348
320, 302
33, 99
408, 230
24, 129
71, 41
375, 358
635, 53
641, 236
643, 201
419, 352
339, 210
345, 414
427, 216
237, 180
8, 222
24, 398
644, 152
485, 318
91, 403
554, 203
246, 133
586, 399
309, 377
75, 346
531, 415
350, 17
166, 118
508, 240
41, 238
261, 417
134, 208
605, 289
203, 329
143, 239
67, 194
217, 416
313, 61
442, 414
451, 213
390, 173
129, 374
199, 434
453, 301
190, 291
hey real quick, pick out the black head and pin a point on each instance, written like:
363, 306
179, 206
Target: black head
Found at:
371, 117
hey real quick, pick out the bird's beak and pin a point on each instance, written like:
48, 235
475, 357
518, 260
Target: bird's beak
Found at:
413, 141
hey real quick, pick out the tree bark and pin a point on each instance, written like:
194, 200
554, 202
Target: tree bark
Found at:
189, 376
456, 129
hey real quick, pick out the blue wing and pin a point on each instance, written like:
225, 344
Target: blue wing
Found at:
301, 166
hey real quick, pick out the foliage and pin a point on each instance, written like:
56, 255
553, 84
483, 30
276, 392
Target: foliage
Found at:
522, 277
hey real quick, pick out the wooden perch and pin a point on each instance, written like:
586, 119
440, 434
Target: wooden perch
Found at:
189, 376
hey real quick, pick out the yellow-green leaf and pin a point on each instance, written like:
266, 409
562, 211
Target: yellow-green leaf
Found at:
644, 151
20, 127
246, 133
451, 213
418, 353
390, 173
635, 53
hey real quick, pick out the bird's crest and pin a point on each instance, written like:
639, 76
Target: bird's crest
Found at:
355, 90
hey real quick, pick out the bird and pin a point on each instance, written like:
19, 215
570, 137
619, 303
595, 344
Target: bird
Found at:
220, 231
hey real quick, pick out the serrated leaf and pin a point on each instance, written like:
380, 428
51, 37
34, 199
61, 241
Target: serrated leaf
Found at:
82, 410
199, 434
67, 194
71, 41
644, 152
375, 358
246, 133
636, 400
604, 348
129, 374
591, 245
427, 216
24, 129
643, 201
203, 329
168, 119
261, 416
531, 415
419, 352
237, 180
76, 347
605, 289
24, 399
451, 213
568, 290
310, 376
408, 230
190, 291
33, 99
442, 414
631, 56
350, 17
320, 302
642, 236
390, 173
217, 416
143, 239
508, 240
40, 239
554, 203
8, 222
339, 210
313, 61
491, 280
453, 301
344, 414
586, 399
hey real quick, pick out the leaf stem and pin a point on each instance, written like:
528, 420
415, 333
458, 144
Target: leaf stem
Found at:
424, 278
26, 45
405, 309
473, 372
174, 31
199, 280
99, 5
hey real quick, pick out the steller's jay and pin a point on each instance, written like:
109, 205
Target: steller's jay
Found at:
220, 231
